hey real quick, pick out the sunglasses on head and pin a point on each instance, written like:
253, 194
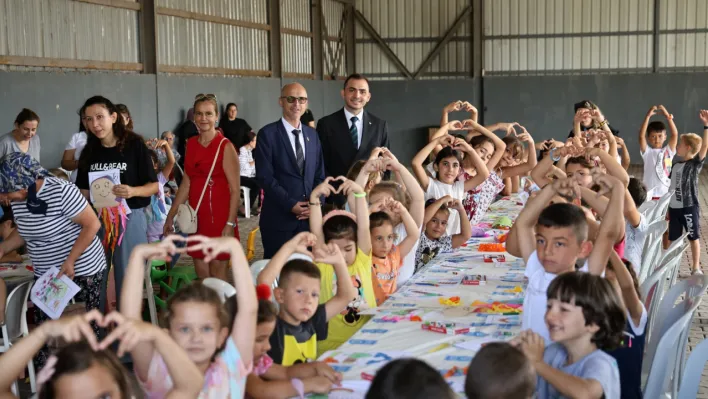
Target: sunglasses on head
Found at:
291, 99
201, 96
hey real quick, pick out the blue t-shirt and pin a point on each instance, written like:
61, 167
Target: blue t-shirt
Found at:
598, 366
629, 357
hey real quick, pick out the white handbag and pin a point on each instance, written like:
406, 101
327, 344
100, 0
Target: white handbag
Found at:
186, 218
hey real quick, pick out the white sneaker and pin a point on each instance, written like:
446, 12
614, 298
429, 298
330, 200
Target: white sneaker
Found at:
697, 271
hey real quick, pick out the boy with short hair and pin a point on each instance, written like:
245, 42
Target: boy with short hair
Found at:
683, 206
501, 371
301, 321
657, 156
560, 238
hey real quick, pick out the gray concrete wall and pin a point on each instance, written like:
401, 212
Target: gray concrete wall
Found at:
542, 104
545, 104
57, 98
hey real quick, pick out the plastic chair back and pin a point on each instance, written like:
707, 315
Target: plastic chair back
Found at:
659, 211
224, 289
691, 291
652, 247
16, 312
653, 288
246, 201
694, 370
646, 208
663, 364
257, 267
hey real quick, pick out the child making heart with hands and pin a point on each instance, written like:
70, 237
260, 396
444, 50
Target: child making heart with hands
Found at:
387, 258
350, 232
197, 321
85, 368
435, 239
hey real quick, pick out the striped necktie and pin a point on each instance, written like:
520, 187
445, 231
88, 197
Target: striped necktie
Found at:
299, 155
354, 132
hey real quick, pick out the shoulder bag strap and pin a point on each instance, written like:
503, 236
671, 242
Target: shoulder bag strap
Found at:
209, 177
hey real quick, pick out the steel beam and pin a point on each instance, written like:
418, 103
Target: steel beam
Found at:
148, 36
276, 53
316, 29
384, 47
350, 39
445, 39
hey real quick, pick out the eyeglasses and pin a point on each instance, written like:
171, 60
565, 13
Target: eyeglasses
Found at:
201, 96
291, 99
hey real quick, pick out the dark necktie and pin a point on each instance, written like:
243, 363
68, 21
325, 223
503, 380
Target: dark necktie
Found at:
354, 132
299, 155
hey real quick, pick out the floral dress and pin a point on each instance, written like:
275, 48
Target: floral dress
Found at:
477, 201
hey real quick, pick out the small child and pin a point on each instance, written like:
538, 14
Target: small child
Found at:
684, 208
447, 167
500, 371
196, 319
435, 238
156, 213
409, 379
630, 353
302, 321
657, 156
350, 233
86, 369
273, 381
559, 239
387, 258
59, 173
585, 318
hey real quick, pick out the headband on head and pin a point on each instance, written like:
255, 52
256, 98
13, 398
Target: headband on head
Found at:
338, 212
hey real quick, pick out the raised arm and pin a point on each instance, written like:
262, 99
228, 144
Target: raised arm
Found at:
417, 205
704, 145
361, 211
422, 155
465, 227
323, 190
629, 293
625, 152
643, 130
298, 244
673, 131
541, 170
521, 241
167, 170
477, 163
331, 255
433, 208
499, 145
612, 224
613, 168
412, 229
531, 160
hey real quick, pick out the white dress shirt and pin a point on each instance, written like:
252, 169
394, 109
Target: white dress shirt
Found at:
359, 124
289, 128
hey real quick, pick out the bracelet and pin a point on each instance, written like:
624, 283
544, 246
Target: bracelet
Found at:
299, 387
315, 203
359, 195
553, 157
705, 127
231, 224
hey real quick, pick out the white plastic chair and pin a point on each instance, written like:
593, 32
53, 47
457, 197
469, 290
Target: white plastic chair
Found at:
246, 201
651, 248
659, 211
646, 208
694, 370
653, 288
224, 289
666, 345
257, 267
15, 326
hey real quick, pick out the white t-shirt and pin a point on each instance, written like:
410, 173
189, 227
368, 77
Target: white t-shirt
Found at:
533, 316
657, 169
438, 189
634, 242
408, 267
77, 142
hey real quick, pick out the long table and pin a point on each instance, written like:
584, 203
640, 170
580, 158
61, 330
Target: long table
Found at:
396, 328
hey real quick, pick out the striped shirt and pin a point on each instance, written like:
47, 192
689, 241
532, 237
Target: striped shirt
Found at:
49, 238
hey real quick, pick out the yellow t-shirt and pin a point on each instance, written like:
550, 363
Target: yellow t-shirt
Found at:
345, 324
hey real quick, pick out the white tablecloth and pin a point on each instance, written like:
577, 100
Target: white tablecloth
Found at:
390, 333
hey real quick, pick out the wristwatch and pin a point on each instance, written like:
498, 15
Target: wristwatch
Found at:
231, 224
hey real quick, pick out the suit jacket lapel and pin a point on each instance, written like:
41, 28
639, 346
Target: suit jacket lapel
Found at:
285, 141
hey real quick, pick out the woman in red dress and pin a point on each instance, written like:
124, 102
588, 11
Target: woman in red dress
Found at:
216, 216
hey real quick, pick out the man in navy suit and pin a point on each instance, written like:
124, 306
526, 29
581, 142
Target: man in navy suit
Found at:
289, 165
350, 134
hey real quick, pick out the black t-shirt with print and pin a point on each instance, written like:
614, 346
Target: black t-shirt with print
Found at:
298, 344
134, 163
